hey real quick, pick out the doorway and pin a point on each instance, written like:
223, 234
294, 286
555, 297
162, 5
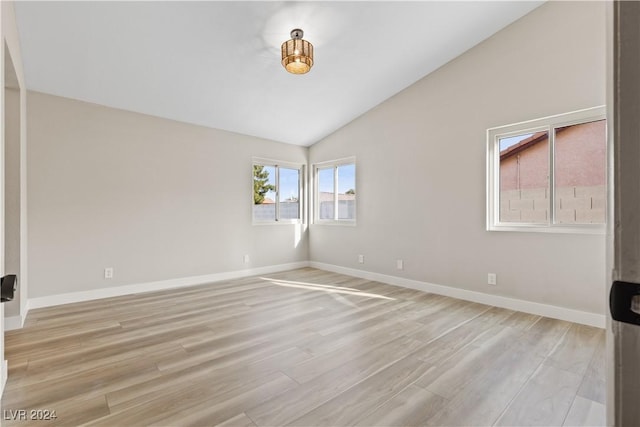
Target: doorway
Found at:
12, 165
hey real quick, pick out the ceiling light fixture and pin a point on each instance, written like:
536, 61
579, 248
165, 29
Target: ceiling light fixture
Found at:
297, 54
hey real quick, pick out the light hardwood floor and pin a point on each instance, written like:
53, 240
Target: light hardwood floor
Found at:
304, 347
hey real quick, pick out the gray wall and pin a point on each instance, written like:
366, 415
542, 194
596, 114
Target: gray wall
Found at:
153, 198
425, 149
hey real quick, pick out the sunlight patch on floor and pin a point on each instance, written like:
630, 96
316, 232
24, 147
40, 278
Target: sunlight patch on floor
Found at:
325, 288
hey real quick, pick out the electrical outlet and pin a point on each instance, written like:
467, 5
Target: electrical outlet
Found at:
492, 279
108, 273
245, 259
361, 259
400, 264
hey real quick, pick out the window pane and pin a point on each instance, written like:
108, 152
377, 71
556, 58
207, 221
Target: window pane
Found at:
524, 178
325, 194
580, 164
264, 193
289, 193
347, 192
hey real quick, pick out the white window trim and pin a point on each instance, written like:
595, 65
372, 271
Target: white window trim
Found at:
493, 171
316, 205
301, 185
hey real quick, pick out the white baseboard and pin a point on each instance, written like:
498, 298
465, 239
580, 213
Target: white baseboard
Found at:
553, 311
14, 322
160, 285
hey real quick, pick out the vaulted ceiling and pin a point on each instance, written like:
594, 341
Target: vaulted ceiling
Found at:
217, 64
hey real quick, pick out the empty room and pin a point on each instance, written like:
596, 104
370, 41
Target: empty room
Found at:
367, 213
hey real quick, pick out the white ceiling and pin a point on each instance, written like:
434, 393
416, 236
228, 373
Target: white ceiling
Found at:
217, 64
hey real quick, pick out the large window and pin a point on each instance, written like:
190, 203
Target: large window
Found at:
548, 174
277, 192
335, 200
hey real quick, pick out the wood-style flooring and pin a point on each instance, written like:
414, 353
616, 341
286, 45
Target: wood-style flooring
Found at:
305, 348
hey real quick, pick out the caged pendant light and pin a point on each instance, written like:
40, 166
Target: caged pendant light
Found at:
297, 54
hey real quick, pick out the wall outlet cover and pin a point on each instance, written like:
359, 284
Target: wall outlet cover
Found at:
492, 279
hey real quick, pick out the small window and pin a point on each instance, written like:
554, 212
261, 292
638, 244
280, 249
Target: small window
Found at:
524, 178
277, 192
548, 174
336, 192
580, 173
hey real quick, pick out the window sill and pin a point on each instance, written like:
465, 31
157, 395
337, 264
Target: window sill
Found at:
281, 222
600, 229
343, 223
